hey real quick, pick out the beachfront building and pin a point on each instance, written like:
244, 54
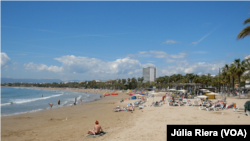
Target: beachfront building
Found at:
149, 74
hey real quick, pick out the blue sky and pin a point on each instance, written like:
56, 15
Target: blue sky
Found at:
107, 40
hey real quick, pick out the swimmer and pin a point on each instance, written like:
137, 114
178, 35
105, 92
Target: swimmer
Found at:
50, 105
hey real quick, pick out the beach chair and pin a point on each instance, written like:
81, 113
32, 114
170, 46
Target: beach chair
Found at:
202, 107
175, 104
130, 108
117, 109
236, 108
210, 107
184, 101
222, 108
137, 103
141, 107
189, 103
216, 107
196, 103
180, 103
248, 113
157, 104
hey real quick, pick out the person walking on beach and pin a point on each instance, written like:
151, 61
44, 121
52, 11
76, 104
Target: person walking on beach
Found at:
50, 105
58, 101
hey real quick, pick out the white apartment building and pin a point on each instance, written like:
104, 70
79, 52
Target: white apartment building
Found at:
149, 74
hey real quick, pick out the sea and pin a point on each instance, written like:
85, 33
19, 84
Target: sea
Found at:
16, 101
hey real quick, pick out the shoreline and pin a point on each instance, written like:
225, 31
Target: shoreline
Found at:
92, 91
147, 124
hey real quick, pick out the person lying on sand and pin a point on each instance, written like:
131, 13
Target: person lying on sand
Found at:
131, 107
96, 130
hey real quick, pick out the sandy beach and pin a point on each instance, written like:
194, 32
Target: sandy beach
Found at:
147, 124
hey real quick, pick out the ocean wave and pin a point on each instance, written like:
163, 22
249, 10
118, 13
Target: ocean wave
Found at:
19, 113
20, 101
5, 104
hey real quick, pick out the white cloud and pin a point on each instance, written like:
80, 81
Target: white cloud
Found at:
162, 54
159, 54
5, 60
184, 67
148, 65
42, 67
179, 55
84, 65
171, 42
142, 52
247, 57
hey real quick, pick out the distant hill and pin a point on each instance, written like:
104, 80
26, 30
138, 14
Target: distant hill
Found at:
10, 80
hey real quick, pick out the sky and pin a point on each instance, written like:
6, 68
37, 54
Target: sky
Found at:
100, 40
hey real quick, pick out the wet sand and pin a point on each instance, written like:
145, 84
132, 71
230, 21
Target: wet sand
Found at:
147, 124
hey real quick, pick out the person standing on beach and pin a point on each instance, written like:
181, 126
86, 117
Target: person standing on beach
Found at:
50, 105
81, 101
75, 99
58, 101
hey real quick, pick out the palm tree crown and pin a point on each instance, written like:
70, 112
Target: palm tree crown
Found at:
246, 31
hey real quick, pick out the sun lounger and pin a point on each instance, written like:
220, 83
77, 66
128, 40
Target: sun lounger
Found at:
189, 103
184, 101
179, 103
117, 109
236, 108
140, 107
196, 103
221, 108
130, 108
248, 112
157, 104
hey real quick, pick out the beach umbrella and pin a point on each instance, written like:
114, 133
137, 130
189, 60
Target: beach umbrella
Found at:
154, 94
202, 96
212, 93
182, 91
173, 90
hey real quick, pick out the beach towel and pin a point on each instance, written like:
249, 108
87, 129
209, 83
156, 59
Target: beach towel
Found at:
97, 135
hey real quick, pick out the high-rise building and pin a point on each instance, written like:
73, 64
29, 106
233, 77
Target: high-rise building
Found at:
149, 74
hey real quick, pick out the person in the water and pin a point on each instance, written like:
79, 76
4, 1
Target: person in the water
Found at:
50, 105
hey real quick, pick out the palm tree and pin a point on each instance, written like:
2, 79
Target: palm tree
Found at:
134, 81
142, 79
123, 81
233, 74
239, 69
247, 61
246, 31
166, 79
227, 73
